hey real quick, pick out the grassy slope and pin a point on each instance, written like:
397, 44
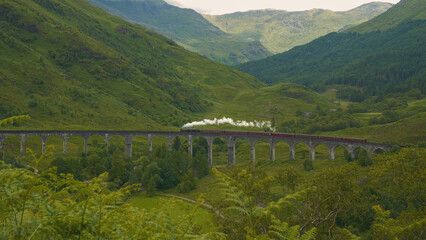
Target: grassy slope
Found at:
188, 28
281, 30
405, 10
176, 209
410, 129
281, 101
71, 65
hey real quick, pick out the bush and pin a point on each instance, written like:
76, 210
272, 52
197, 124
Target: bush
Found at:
308, 165
362, 158
347, 155
187, 184
151, 187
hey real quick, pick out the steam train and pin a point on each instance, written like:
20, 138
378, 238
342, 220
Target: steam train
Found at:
274, 134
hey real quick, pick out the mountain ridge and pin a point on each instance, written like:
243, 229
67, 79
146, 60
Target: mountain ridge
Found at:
186, 27
378, 62
280, 30
405, 10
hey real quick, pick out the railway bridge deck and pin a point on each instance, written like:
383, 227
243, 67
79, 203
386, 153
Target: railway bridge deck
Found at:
231, 137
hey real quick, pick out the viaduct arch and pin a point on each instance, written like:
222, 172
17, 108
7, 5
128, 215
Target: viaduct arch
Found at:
230, 137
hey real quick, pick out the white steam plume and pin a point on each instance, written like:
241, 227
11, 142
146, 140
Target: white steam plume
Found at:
225, 120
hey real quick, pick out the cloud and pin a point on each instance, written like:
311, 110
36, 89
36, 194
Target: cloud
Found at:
225, 120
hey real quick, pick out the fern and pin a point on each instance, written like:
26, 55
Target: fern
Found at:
309, 235
253, 216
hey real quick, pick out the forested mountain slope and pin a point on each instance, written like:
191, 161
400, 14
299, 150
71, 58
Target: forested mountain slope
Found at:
186, 27
377, 63
406, 10
71, 65
280, 30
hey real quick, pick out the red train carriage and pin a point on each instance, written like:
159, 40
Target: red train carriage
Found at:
286, 135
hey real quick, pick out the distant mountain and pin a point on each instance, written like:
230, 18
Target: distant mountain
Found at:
186, 27
376, 63
280, 31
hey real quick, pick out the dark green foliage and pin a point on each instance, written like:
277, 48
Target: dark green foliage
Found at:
94, 165
118, 172
347, 155
200, 164
66, 164
151, 187
187, 183
362, 158
288, 177
320, 120
176, 144
388, 116
352, 94
308, 165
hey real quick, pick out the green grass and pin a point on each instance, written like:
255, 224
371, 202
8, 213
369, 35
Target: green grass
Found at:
408, 130
179, 208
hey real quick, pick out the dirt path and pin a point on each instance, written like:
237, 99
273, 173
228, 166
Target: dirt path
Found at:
195, 202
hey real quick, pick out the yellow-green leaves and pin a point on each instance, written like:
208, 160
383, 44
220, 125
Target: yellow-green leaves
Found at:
11, 120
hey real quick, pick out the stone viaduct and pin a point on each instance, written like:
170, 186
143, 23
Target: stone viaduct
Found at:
231, 138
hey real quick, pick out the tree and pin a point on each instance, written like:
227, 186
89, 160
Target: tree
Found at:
384, 227
187, 183
176, 144
66, 165
245, 219
332, 192
362, 158
200, 165
151, 187
118, 172
288, 177
308, 165
95, 165
401, 176
152, 173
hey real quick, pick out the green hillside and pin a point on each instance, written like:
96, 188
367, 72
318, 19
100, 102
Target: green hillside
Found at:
70, 65
374, 64
405, 10
187, 28
280, 31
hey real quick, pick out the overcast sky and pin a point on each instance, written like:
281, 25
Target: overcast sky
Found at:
217, 7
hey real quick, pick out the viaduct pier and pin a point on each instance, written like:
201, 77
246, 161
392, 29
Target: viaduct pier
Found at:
231, 137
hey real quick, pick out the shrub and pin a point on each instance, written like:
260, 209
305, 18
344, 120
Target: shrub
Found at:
308, 165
